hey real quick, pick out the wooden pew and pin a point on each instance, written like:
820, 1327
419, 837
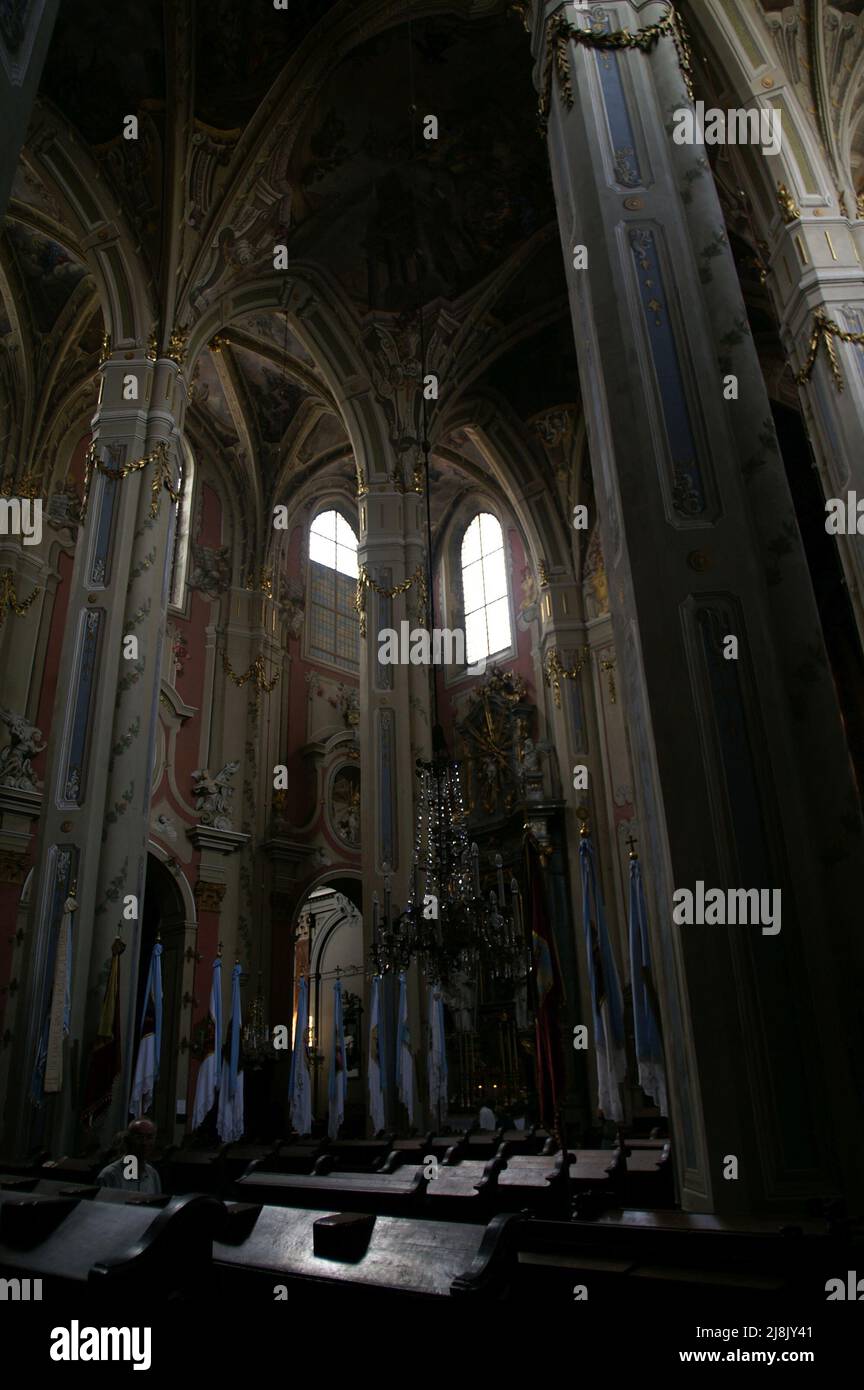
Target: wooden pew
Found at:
403, 1258
466, 1190
194, 1170
392, 1193
649, 1180
359, 1155
534, 1183
675, 1259
108, 1249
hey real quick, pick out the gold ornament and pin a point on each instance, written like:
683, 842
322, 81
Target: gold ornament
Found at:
162, 476
560, 32
365, 581
789, 208
176, 351
254, 673
554, 671
9, 597
825, 330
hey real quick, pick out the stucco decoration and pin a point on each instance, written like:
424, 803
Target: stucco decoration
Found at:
16, 769
213, 796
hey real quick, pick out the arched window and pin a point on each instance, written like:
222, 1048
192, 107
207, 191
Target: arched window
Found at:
333, 625
182, 516
484, 589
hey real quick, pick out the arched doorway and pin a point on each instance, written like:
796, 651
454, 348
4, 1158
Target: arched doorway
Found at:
329, 945
164, 915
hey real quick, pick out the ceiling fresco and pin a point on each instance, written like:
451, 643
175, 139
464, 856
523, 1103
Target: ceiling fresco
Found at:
82, 73
48, 271
240, 50
274, 399
477, 191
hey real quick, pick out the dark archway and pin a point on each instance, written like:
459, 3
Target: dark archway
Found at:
163, 915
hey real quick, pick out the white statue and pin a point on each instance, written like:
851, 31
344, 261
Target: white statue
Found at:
15, 767
213, 796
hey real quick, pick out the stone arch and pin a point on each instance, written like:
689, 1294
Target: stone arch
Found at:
746, 60
67, 167
328, 328
502, 439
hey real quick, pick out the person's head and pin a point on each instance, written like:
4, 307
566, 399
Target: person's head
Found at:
140, 1138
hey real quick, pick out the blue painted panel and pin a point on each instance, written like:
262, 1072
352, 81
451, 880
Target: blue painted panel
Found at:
688, 492
100, 571
387, 785
855, 324
625, 159
73, 775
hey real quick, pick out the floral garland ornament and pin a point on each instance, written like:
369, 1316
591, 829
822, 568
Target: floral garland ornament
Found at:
9, 596
365, 581
255, 672
162, 476
560, 32
554, 671
825, 330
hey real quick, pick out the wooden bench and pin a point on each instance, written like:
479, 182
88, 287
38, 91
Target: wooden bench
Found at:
405, 1258
105, 1249
536, 1183
335, 1191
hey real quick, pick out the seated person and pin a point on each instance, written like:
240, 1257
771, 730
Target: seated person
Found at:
135, 1143
486, 1118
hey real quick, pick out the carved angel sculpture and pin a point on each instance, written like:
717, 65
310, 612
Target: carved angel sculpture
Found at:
15, 767
213, 796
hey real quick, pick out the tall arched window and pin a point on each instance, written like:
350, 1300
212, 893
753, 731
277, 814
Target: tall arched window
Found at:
182, 518
484, 589
333, 625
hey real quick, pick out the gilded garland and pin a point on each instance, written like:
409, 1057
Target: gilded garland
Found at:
825, 330
560, 33
555, 671
162, 476
365, 581
254, 672
9, 597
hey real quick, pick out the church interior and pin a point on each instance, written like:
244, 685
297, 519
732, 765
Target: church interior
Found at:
431, 680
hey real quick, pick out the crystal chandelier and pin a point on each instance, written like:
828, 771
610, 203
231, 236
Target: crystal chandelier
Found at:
449, 926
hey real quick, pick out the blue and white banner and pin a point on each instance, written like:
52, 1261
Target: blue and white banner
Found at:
606, 1000
207, 1083
230, 1118
150, 1039
338, 1077
376, 1090
646, 1014
404, 1055
299, 1083
437, 1056
61, 1006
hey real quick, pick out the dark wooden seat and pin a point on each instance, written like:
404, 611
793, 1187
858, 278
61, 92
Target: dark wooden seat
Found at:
405, 1258
110, 1249
398, 1191
536, 1183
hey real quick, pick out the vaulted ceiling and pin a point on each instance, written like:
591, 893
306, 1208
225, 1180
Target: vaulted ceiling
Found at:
258, 126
